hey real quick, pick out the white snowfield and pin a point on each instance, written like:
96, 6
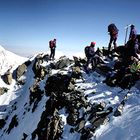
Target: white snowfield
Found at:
9, 60
124, 127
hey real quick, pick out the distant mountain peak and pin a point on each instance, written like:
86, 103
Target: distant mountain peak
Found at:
1, 48
8, 59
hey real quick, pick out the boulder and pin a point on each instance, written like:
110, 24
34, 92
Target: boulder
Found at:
37, 64
24, 136
46, 57
13, 123
72, 119
119, 109
3, 90
21, 70
76, 61
105, 51
35, 93
27, 63
62, 63
57, 83
7, 77
2, 123
76, 72
87, 134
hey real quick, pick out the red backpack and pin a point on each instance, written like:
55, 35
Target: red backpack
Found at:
51, 44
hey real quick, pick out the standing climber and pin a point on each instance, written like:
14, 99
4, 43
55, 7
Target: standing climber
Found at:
113, 32
52, 45
133, 33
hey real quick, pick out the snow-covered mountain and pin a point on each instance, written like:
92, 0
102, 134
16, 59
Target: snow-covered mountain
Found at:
9, 60
54, 100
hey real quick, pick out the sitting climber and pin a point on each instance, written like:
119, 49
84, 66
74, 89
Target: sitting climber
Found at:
90, 55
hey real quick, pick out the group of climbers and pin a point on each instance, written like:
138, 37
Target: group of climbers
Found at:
131, 48
127, 66
126, 70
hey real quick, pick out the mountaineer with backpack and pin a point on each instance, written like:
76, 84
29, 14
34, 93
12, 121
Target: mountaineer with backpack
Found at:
113, 32
133, 36
133, 32
52, 45
90, 53
132, 46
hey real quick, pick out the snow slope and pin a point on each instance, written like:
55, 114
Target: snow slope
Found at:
125, 127
9, 60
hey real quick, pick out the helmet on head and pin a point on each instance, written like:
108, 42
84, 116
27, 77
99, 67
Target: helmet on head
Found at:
93, 43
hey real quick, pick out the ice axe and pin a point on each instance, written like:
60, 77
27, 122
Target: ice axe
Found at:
126, 31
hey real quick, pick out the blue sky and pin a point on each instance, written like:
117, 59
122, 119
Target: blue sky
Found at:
26, 26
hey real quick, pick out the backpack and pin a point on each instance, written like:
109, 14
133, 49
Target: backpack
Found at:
112, 28
51, 44
87, 51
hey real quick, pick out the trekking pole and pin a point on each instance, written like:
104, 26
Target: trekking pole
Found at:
126, 28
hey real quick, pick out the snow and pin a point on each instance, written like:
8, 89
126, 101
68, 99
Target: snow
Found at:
9, 60
125, 127
18, 94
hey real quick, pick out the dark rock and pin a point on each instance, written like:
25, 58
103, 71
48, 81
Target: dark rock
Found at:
57, 83
105, 51
52, 66
72, 119
3, 90
13, 123
35, 95
62, 63
81, 125
7, 77
119, 110
86, 134
82, 61
49, 127
46, 57
2, 123
27, 63
76, 61
37, 65
127, 81
24, 136
98, 121
21, 70
71, 86
95, 108
76, 72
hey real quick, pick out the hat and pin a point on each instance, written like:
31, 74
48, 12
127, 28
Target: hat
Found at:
93, 43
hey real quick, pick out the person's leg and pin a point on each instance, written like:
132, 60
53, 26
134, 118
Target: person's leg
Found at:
88, 61
93, 63
114, 42
51, 53
110, 42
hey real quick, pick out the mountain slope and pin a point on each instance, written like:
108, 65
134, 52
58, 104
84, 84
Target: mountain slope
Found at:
9, 59
29, 109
